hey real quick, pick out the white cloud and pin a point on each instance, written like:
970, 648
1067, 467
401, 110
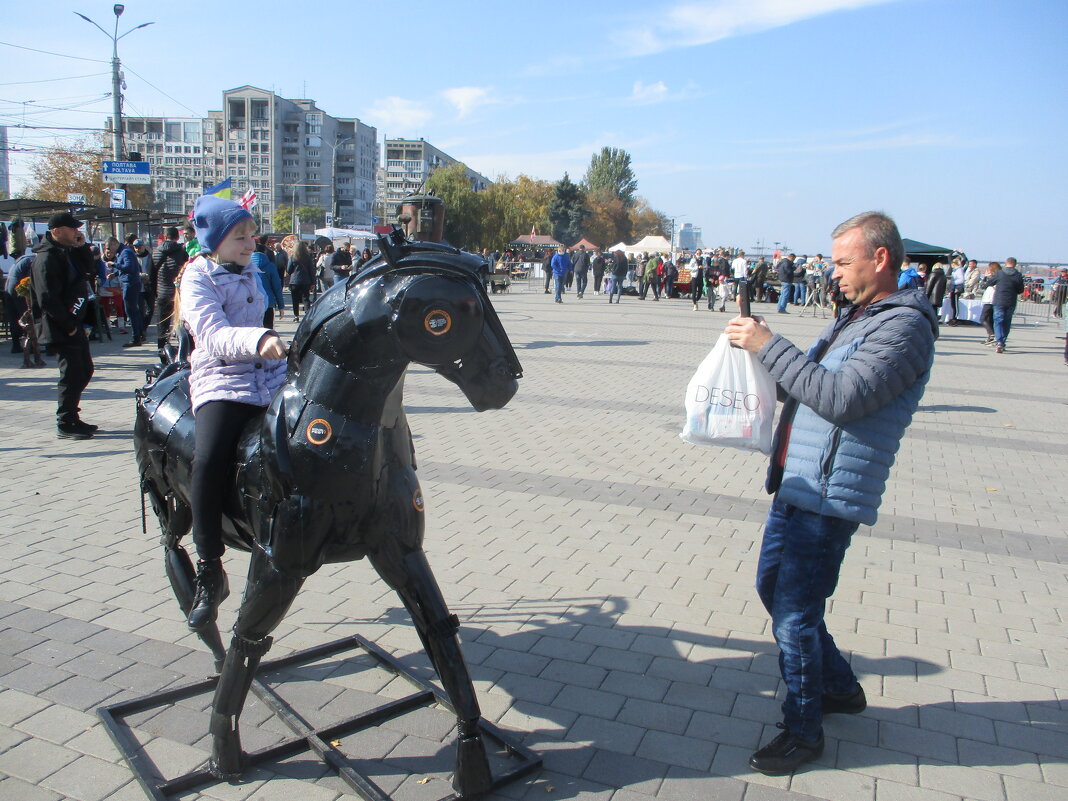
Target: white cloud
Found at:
703, 21
397, 114
645, 94
467, 98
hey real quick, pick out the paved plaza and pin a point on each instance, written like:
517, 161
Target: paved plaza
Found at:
602, 571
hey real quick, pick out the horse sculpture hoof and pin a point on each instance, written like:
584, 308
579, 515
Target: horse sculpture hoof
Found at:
226, 760
473, 778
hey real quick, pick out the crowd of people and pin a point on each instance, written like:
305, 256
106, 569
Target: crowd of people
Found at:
129, 285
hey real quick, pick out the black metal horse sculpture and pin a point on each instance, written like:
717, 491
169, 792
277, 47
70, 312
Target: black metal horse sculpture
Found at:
328, 473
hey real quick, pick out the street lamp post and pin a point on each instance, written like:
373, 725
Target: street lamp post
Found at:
333, 174
293, 206
116, 77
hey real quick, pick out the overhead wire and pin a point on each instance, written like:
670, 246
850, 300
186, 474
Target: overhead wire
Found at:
176, 100
50, 53
50, 80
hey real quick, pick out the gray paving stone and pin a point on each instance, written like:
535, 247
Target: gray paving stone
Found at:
617, 560
32, 760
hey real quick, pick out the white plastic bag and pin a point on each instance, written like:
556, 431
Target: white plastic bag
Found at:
730, 401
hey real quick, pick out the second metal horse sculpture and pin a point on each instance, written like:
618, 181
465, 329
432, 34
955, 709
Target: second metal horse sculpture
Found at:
328, 473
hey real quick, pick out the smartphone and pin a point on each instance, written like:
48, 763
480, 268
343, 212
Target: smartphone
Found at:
743, 298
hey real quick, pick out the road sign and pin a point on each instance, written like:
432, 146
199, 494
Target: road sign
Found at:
329, 220
127, 172
75, 197
118, 198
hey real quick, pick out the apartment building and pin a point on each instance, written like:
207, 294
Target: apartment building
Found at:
408, 163
289, 151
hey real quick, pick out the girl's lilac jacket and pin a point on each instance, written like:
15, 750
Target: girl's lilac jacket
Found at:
224, 313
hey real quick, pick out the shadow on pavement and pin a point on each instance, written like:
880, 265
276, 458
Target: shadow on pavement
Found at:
538, 344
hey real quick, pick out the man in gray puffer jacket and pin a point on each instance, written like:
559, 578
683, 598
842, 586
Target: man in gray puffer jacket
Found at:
847, 403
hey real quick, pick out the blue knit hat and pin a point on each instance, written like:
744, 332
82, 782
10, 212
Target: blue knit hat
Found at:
213, 218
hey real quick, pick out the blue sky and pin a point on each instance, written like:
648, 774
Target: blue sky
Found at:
757, 120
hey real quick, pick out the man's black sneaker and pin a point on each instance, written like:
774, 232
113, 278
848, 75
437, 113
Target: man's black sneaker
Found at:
84, 426
72, 431
850, 703
785, 754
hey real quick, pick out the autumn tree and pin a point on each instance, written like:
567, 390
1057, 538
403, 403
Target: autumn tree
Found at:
567, 211
647, 221
610, 172
511, 208
609, 221
78, 169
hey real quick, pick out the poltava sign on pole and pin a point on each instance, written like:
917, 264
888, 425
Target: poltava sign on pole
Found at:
127, 172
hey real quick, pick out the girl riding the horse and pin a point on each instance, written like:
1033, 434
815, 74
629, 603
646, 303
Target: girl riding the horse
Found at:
237, 366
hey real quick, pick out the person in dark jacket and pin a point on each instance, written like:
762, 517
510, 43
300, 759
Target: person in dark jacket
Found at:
620, 266
60, 305
163, 274
1008, 285
582, 270
848, 401
936, 287
129, 269
301, 272
547, 268
597, 265
785, 269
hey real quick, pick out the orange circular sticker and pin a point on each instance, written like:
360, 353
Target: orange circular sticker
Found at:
438, 322
417, 501
318, 432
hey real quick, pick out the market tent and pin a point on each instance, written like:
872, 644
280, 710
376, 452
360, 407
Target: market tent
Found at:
345, 233
536, 241
650, 244
653, 244
922, 253
588, 244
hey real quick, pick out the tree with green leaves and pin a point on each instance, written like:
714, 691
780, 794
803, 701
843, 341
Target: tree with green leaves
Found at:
567, 211
462, 205
282, 219
610, 172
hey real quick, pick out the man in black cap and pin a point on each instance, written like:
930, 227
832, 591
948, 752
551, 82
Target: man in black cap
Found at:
61, 301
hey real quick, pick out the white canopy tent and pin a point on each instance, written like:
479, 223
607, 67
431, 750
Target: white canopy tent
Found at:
649, 244
339, 236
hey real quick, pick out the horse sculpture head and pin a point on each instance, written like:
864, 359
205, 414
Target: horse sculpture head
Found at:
415, 302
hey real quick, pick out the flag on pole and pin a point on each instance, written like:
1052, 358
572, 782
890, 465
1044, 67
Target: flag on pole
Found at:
221, 189
532, 234
248, 200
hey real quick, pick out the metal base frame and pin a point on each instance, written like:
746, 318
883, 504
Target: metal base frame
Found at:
306, 738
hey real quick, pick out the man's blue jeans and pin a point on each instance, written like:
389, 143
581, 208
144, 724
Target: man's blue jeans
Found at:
785, 293
581, 279
800, 558
1002, 323
132, 298
558, 285
799, 292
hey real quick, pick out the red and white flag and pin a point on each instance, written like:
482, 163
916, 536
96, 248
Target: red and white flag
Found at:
532, 234
248, 200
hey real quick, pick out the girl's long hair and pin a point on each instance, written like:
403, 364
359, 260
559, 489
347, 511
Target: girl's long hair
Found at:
248, 225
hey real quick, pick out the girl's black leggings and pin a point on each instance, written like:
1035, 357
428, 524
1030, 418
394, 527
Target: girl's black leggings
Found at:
219, 425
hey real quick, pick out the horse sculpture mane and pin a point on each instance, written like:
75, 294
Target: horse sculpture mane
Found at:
327, 473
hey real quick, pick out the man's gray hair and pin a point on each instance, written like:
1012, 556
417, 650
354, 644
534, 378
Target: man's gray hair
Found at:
880, 231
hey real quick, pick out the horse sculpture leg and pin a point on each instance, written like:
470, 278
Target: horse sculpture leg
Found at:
410, 575
268, 595
176, 520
